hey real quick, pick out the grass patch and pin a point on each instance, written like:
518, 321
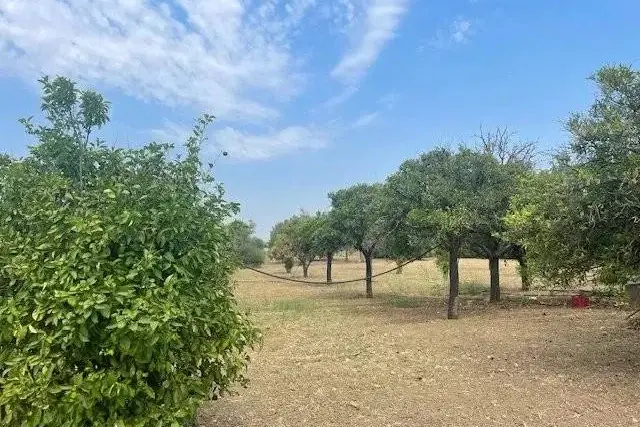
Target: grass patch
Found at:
293, 305
473, 288
403, 301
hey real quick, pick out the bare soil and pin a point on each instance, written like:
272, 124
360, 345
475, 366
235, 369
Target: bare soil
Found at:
330, 357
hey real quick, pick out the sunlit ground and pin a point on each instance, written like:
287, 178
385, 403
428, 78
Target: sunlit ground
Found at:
333, 358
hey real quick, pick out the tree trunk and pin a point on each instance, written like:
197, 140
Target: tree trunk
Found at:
346, 254
399, 263
494, 271
305, 268
524, 274
329, 262
452, 307
369, 272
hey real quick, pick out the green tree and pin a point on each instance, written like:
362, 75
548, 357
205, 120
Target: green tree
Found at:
580, 218
328, 239
119, 307
73, 115
359, 218
453, 198
249, 249
294, 238
545, 216
518, 158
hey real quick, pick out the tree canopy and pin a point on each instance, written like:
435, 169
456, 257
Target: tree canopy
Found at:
360, 218
453, 198
296, 238
580, 217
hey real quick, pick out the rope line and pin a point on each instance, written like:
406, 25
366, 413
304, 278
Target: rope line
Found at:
340, 282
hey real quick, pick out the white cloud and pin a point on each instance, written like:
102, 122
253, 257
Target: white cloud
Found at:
366, 119
231, 58
214, 57
458, 32
245, 146
382, 18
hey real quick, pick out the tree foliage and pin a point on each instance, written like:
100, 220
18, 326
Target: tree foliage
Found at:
453, 199
581, 217
295, 238
327, 238
249, 249
360, 218
118, 308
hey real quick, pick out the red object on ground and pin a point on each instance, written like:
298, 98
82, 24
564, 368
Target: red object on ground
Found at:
580, 301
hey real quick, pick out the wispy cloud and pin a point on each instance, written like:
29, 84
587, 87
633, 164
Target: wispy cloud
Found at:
247, 146
460, 30
382, 18
231, 58
212, 58
366, 119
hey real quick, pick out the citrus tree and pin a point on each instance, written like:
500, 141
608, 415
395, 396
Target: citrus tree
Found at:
295, 238
328, 239
579, 220
117, 308
360, 218
453, 197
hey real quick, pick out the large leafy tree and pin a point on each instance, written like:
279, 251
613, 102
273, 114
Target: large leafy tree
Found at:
117, 307
360, 218
581, 217
453, 198
295, 238
544, 216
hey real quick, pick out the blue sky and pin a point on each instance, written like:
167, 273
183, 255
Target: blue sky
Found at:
315, 95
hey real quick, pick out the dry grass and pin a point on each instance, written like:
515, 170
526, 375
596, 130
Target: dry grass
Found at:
333, 358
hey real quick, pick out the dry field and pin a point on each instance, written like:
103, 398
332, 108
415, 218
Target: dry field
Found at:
333, 358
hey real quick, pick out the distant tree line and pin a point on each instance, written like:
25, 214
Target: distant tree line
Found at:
573, 222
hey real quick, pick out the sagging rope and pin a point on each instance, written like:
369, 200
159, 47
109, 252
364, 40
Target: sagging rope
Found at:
340, 282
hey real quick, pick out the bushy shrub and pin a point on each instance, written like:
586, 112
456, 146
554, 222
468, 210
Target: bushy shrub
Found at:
118, 308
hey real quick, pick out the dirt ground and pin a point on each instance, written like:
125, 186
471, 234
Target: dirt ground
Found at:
333, 358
